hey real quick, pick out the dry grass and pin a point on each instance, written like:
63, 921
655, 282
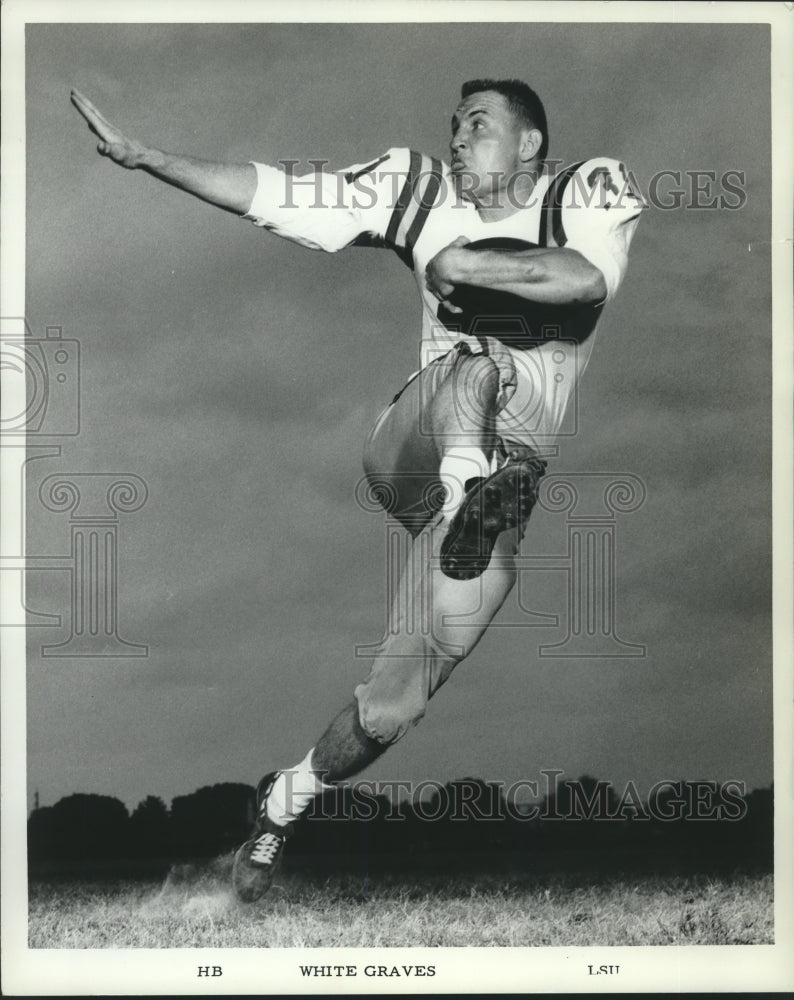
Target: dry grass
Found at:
194, 907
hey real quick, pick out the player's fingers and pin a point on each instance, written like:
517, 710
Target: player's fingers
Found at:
82, 102
442, 293
83, 105
88, 115
96, 122
101, 120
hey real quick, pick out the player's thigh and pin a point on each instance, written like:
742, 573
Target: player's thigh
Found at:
403, 453
448, 403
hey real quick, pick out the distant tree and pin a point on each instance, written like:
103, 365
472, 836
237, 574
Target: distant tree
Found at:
150, 830
80, 827
211, 820
42, 835
587, 798
758, 827
761, 808
343, 826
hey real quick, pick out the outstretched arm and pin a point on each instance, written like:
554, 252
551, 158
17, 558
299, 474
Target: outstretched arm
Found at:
230, 186
555, 276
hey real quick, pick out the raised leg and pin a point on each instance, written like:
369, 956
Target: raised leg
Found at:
450, 405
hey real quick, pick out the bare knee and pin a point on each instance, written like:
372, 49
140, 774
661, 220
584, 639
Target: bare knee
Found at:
465, 406
394, 697
475, 382
477, 379
383, 718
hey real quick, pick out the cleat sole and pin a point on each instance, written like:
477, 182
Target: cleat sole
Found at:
491, 507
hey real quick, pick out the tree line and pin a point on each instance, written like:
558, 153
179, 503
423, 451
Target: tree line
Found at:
465, 822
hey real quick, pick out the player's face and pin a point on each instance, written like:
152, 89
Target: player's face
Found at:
486, 145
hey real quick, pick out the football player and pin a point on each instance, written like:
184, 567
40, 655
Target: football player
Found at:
514, 264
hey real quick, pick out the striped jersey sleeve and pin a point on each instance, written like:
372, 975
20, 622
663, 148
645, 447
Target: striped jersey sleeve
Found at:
423, 185
382, 202
593, 207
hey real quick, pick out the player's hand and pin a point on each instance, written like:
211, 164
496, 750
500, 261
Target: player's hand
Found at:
112, 143
444, 272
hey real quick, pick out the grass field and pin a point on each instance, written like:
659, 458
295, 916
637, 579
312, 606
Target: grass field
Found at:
193, 907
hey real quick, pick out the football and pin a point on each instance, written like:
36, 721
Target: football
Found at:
512, 319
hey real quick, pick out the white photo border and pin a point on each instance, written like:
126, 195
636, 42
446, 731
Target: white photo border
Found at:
463, 970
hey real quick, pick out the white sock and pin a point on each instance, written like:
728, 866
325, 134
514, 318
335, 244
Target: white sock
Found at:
293, 791
457, 466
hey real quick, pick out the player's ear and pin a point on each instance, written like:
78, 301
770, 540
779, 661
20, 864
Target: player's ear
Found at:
531, 141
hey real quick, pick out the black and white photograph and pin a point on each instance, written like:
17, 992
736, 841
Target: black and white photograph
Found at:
396, 454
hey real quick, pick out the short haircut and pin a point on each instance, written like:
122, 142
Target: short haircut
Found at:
522, 100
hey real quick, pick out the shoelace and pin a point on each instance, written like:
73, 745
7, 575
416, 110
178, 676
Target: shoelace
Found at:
266, 848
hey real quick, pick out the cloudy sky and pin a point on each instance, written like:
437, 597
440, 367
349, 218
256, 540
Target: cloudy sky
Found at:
237, 375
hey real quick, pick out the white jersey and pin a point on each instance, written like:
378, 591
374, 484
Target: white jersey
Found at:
408, 202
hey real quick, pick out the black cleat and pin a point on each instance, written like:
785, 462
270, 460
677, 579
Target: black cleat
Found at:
490, 506
258, 860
